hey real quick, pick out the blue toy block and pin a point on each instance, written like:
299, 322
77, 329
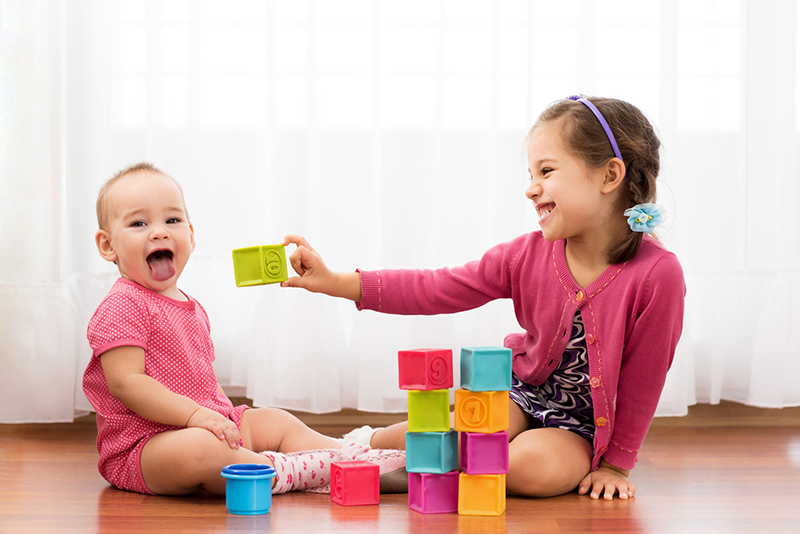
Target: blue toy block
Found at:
431, 493
431, 452
484, 454
486, 369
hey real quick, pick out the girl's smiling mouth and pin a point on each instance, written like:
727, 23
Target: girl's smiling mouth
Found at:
544, 210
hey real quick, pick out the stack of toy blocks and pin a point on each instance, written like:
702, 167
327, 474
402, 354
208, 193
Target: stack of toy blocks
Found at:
431, 445
481, 415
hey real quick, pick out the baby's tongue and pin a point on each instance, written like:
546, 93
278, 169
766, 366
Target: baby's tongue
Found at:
161, 266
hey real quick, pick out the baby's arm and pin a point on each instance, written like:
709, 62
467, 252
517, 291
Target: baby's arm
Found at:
608, 480
127, 382
315, 275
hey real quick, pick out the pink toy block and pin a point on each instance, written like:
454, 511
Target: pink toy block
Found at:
426, 369
355, 483
484, 454
430, 493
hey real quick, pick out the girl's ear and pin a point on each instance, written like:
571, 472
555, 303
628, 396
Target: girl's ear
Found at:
614, 175
104, 246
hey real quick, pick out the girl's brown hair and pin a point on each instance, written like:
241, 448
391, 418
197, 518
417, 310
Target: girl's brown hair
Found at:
584, 137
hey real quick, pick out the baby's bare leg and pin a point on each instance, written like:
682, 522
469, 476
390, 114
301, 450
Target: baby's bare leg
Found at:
271, 429
544, 462
178, 462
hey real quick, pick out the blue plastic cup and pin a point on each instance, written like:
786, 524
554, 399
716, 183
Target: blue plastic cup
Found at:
248, 488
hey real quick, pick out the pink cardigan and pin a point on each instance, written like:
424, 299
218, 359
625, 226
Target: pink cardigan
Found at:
633, 315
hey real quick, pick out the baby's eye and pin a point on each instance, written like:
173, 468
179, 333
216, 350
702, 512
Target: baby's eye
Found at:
137, 223
173, 220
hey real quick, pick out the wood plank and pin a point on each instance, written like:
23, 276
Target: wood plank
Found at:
689, 479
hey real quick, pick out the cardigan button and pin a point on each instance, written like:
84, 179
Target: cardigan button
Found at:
590, 338
602, 451
601, 421
579, 296
594, 382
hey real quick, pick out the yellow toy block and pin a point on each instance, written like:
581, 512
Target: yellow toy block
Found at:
481, 411
254, 266
481, 494
429, 411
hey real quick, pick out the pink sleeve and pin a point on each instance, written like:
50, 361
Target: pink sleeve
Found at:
119, 321
446, 290
646, 359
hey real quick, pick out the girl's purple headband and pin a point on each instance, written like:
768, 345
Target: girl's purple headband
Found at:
604, 124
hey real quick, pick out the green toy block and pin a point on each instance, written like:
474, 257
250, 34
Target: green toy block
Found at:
429, 411
255, 266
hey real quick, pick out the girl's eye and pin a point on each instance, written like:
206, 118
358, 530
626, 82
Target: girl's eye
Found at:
545, 172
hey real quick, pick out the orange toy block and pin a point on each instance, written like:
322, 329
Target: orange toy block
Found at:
481, 411
481, 494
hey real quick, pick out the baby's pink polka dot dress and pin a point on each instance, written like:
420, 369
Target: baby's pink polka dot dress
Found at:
179, 353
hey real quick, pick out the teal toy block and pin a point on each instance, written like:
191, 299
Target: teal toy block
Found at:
431, 452
486, 369
429, 411
254, 266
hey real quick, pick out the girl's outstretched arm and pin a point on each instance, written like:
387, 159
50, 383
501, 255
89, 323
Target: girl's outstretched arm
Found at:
607, 480
127, 382
315, 275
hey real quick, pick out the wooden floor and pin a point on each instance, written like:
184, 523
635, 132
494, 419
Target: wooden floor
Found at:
696, 480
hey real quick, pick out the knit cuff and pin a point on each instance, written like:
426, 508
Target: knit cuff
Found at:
621, 457
370, 291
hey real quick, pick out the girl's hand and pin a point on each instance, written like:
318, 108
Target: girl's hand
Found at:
217, 424
607, 480
315, 275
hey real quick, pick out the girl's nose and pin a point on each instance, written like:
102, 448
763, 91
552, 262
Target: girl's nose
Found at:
533, 190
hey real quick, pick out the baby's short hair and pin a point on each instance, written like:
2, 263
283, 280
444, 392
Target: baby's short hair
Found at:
102, 196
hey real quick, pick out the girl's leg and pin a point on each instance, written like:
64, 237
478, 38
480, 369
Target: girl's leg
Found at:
178, 462
271, 429
544, 462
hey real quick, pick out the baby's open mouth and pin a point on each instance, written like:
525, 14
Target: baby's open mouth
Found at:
161, 265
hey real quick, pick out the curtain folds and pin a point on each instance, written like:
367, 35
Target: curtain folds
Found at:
390, 135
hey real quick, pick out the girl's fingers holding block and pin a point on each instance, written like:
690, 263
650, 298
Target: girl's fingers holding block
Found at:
300, 241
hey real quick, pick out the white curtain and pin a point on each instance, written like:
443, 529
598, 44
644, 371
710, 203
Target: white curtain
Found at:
389, 133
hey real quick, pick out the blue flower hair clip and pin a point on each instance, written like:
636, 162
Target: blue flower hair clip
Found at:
644, 217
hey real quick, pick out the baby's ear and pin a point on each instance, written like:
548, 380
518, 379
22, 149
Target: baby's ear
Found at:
104, 246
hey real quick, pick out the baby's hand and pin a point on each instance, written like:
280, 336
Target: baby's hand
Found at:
608, 481
217, 424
